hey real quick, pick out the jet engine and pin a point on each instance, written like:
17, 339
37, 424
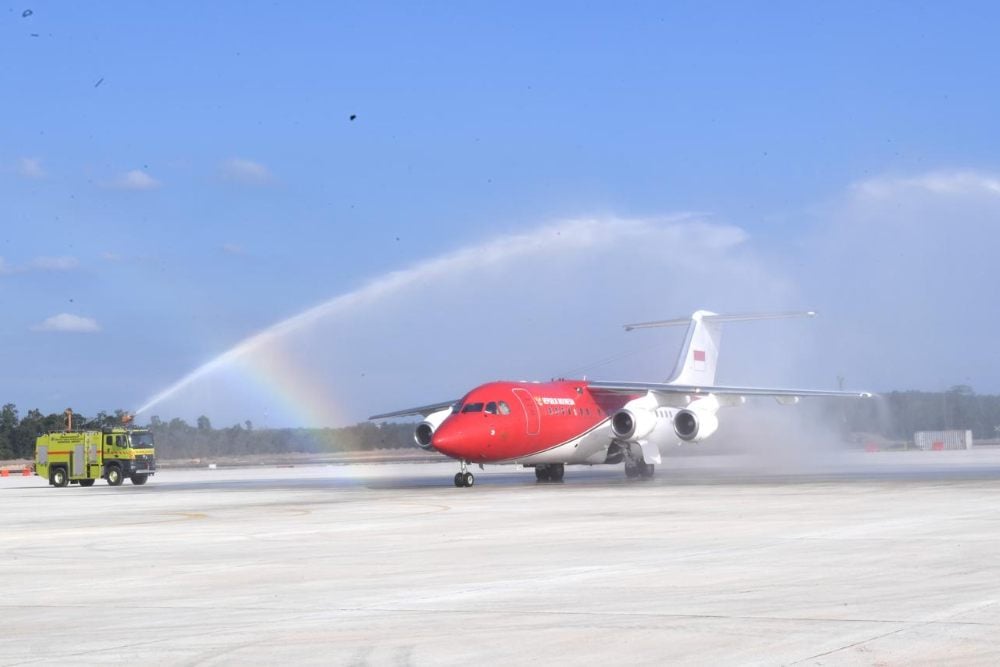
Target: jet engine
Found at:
633, 424
695, 425
425, 429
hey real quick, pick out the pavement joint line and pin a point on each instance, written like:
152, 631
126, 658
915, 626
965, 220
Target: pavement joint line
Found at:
540, 612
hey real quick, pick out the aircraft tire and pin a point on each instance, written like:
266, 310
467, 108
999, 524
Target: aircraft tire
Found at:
631, 469
469, 479
541, 473
556, 472
459, 480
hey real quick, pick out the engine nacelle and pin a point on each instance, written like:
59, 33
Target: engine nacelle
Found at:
695, 425
633, 424
425, 430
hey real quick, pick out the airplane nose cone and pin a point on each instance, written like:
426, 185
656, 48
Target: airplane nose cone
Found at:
448, 440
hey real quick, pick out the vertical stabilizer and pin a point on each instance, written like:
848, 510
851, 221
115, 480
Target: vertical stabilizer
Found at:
699, 356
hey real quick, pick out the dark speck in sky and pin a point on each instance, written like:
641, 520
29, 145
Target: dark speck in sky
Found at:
353, 116
99, 82
34, 34
26, 13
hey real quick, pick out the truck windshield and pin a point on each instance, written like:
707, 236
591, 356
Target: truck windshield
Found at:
141, 440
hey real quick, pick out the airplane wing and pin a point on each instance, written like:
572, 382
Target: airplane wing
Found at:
423, 410
663, 388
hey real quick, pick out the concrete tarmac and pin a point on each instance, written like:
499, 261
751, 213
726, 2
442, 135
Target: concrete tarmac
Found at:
878, 559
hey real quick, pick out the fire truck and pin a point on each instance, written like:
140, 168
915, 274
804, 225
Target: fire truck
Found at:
83, 457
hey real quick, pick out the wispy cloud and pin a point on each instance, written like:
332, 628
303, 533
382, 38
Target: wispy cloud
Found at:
41, 264
54, 264
30, 167
136, 179
241, 170
960, 182
233, 249
67, 323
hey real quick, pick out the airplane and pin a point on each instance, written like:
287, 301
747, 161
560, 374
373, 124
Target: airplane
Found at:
548, 425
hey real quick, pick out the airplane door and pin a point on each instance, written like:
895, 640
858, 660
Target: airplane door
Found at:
531, 411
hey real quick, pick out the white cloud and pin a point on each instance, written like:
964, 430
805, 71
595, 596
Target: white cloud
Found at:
54, 264
233, 249
246, 171
41, 264
65, 322
135, 179
30, 167
937, 182
904, 270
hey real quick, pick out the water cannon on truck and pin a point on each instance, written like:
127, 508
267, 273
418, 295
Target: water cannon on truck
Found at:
84, 456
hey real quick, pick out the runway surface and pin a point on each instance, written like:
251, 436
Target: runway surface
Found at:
876, 559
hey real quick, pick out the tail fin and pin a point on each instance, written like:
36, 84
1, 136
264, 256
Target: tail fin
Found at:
699, 355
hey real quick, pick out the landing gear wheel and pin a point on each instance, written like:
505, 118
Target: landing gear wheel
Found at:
59, 477
87, 482
631, 469
115, 477
139, 478
469, 479
647, 471
459, 480
556, 472
541, 474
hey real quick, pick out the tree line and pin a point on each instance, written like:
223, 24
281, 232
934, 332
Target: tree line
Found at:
895, 415
176, 439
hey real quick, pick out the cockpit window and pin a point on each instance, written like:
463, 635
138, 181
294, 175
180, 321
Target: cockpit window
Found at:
504, 408
491, 408
472, 407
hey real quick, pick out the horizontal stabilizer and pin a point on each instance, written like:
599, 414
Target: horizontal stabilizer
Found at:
713, 317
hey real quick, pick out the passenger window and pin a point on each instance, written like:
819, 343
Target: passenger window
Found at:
473, 407
109, 440
491, 408
504, 408
118, 441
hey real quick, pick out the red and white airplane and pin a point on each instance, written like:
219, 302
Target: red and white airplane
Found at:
548, 425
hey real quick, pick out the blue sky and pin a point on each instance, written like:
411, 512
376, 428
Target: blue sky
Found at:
175, 178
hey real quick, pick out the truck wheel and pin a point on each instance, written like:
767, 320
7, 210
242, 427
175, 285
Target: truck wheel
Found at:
139, 478
59, 477
115, 476
87, 482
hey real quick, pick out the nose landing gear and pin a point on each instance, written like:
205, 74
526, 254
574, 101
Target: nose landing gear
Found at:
464, 478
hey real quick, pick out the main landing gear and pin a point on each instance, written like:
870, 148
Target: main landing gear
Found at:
639, 469
550, 472
464, 478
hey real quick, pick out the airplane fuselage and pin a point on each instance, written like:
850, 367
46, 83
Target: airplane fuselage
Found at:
530, 423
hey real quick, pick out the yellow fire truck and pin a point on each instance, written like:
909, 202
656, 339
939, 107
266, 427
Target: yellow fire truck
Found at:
83, 457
